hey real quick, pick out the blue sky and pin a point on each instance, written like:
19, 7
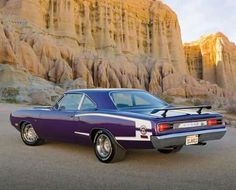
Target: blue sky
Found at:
201, 17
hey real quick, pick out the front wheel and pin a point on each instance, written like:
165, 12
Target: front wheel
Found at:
29, 136
170, 149
106, 148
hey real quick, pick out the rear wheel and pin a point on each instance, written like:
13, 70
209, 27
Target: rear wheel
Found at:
170, 149
29, 136
106, 148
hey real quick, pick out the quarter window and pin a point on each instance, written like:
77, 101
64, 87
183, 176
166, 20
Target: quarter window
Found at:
87, 104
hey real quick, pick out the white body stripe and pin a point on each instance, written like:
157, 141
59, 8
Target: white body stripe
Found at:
138, 124
136, 138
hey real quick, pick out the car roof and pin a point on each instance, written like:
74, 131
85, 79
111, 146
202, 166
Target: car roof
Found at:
102, 90
101, 96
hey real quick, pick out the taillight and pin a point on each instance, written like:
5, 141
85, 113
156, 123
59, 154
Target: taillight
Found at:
164, 127
213, 122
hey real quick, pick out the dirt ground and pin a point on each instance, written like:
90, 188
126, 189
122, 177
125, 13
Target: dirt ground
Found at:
57, 165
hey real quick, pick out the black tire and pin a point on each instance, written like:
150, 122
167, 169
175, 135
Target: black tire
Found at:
106, 148
170, 150
29, 136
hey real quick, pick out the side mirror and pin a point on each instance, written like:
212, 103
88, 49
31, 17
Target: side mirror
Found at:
62, 108
56, 106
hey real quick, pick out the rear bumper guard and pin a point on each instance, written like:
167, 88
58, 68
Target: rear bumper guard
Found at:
180, 138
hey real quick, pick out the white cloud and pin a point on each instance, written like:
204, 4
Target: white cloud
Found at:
201, 17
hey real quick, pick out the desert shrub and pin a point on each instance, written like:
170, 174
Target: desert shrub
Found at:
55, 98
9, 92
11, 101
186, 103
197, 102
9, 95
166, 98
231, 109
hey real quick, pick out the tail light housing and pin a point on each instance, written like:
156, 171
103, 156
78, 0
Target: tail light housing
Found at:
162, 127
213, 122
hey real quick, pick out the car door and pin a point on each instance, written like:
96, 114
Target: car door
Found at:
59, 123
85, 124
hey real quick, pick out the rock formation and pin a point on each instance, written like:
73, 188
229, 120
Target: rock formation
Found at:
103, 43
19, 86
213, 58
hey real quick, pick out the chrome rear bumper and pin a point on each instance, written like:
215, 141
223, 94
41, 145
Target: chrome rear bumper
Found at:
180, 138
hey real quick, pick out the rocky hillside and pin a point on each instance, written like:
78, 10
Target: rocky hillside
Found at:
99, 43
213, 58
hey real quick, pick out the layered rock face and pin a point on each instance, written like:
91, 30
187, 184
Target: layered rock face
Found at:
213, 58
116, 43
100, 43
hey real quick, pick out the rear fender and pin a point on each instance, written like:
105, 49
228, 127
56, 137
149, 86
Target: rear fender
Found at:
94, 133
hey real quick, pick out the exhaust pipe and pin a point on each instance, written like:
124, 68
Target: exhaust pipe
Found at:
201, 144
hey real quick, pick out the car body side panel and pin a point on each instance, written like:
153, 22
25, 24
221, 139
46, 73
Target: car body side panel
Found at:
55, 124
118, 127
20, 116
123, 128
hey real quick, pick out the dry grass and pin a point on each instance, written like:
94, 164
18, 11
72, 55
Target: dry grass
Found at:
166, 98
231, 109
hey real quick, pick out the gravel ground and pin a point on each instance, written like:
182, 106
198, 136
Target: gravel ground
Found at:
65, 166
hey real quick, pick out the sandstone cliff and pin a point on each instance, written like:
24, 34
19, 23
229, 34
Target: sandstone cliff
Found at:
116, 43
213, 58
99, 43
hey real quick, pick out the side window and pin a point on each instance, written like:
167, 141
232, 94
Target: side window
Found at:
70, 102
87, 104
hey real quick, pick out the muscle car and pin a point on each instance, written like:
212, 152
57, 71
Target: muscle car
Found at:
114, 120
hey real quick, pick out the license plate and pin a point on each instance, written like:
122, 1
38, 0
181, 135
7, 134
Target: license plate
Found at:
193, 139
193, 124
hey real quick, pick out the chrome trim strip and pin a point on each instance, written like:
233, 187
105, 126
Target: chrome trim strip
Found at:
81, 101
131, 139
190, 133
79, 133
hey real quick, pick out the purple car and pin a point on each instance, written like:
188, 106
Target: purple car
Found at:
114, 120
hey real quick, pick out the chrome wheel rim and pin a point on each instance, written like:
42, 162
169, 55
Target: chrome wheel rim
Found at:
103, 146
29, 134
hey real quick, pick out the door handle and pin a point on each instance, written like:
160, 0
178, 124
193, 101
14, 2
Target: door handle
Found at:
72, 116
77, 117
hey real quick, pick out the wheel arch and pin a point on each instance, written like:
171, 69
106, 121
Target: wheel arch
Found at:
94, 132
22, 122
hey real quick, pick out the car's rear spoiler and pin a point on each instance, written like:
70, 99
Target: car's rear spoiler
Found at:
199, 109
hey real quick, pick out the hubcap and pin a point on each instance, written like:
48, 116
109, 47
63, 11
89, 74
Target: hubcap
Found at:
29, 134
103, 146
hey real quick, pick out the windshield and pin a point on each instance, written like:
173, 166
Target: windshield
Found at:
136, 99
